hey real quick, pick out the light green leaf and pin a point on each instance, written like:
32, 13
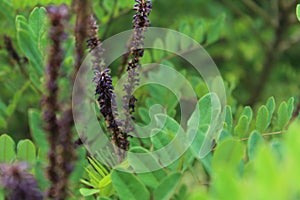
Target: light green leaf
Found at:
108, 5
283, 115
254, 141
28, 42
170, 129
26, 151
88, 192
167, 187
144, 162
242, 126
228, 155
185, 40
128, 186
158, 47
37, 22
98, 166
291, 106
228, 118
171, 41
207, 114
7, 149
262, 119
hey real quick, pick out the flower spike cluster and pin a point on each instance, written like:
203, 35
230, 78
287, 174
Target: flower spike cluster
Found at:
140, 23
18, 182
61, 153
105, 91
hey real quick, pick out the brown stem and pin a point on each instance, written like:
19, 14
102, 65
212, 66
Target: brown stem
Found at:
271, 55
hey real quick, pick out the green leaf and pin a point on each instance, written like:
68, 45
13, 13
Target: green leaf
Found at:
37, 132
214, 30
128, 186
199, 30
170, 129
88, 192
98, 166
103, 198
262, 119
228, 155
283, 115
254, 141
271, 108
298, 12
167, 187
108, 5
205, 123
144, 162
248, 112
228, 118
158, 47
79, 165
291, 106
28, 43
185, 40
2, 197
7, 10
7, 149
16, 99
3, 107
242, 126
171, 41
153, 178
37, 22
3, 123
26, 151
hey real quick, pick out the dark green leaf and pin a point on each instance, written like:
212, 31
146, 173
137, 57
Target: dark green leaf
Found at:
167, 187
128, 186
254, 141
271, 108
248, 112
214, 30
37, 132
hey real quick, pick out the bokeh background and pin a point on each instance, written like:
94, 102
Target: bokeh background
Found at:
255, 45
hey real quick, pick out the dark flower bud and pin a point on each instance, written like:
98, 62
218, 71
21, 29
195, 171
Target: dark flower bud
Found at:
18, 182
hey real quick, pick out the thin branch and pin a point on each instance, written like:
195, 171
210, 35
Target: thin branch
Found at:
257, 9
111, 17
265, 135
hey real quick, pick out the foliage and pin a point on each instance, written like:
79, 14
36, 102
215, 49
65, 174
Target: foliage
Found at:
254, 154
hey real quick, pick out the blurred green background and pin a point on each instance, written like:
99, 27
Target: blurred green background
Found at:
255, 45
